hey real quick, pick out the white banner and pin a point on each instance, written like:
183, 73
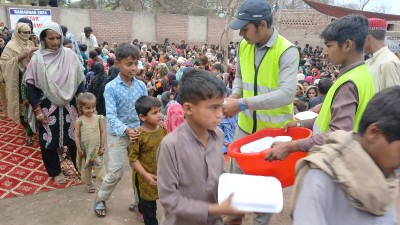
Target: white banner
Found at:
393, 43
37, 16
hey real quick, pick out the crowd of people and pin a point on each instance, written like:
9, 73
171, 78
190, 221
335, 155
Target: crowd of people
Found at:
147, 103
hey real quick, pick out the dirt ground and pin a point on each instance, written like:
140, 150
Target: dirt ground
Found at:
73, 206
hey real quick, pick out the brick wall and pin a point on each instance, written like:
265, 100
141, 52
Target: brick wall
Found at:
173, 27
305, 19
215, 28
111, 26
117, 26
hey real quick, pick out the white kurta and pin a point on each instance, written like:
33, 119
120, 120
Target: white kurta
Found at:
385, 69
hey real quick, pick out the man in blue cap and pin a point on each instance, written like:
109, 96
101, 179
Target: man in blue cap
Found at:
265, 81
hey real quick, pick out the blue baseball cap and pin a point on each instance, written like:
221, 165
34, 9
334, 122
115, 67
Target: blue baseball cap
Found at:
251, 10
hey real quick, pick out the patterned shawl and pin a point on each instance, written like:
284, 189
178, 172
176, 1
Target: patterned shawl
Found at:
58, 73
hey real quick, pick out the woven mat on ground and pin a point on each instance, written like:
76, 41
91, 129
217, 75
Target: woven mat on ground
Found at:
21, 167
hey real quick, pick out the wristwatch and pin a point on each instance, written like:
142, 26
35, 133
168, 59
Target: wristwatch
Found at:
242, 105
298, 124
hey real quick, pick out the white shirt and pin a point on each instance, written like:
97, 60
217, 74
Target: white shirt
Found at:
91, 42
385, 69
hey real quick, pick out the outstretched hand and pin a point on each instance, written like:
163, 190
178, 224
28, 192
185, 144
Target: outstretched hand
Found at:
281, 150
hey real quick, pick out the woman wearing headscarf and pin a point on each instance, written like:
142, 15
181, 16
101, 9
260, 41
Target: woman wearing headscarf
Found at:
95, 87
171, 77
13, 62
54, 77
163, 72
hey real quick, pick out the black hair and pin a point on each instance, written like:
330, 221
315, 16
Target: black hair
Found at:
149, 75
145, 103
351, 27
126, 50
98, 50
324, 85
87, 29
93, 54
110, 61
219, 67
67, 41
313, 88
83, 47
175, 83
384, 110
302, 81
43, 34
378, 34
27, 21
199, 85
64, 29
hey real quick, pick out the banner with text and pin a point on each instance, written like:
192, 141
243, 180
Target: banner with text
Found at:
393, 43
37, 16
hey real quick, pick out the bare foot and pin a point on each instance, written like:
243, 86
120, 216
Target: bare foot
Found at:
60, 179
139, 214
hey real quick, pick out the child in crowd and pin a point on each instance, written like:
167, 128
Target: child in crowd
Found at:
142, 156
120, 96
351, 178
188, 177
323, 87
305, 84
228, 126
83, 48
67, 43
311, 92
300, 92
90, 138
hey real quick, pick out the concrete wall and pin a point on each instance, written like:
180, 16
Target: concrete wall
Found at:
197, 29
144, 26
3, 15
70, 18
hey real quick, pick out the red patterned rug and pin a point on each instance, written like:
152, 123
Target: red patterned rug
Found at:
21, 168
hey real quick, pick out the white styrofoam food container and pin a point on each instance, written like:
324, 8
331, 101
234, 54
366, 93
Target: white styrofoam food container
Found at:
305, 115
263, 144
251, 193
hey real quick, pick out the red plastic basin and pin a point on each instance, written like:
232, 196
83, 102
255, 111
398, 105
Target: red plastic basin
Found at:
254, 163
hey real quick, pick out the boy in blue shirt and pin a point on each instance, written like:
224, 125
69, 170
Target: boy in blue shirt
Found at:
120, 95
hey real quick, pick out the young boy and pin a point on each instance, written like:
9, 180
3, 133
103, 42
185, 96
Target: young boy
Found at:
83, 48
351, 179
347, 98
142, 156
189, 160
120, 96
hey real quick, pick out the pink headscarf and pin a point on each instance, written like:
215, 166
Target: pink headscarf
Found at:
175, 117
309, 79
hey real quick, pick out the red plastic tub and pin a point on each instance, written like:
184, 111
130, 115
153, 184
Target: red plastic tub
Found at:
254, 163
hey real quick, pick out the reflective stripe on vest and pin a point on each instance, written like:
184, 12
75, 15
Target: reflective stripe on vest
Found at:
362, 79
267, 81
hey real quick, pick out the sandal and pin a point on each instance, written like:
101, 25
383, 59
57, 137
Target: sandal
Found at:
99, 206
90, 188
